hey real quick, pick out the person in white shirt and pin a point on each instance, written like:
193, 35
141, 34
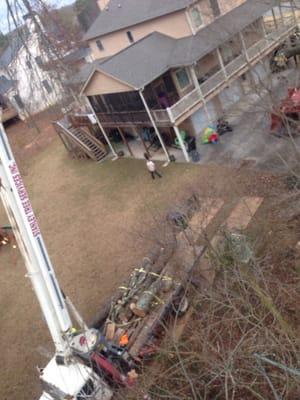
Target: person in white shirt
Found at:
151, 167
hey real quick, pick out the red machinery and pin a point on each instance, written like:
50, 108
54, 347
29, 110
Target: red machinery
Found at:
288, 113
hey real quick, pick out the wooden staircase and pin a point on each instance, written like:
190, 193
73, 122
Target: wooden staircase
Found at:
76, 139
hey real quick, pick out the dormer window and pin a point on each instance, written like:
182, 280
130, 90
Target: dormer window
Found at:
99, 45
130, 37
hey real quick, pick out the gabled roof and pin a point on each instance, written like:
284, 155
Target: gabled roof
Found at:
138, 64
150, 57
83, 74
10, 53
124, 13
5, 84
15, 43
77, 55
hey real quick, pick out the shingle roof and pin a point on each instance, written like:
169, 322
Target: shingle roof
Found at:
150, 57
137, 64
123, 13
9, 54
5, 84
82, 75
77, 55
15, 43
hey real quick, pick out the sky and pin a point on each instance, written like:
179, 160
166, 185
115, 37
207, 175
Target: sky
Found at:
3, 11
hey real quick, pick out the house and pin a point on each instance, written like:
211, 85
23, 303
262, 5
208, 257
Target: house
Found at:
35, 89
37, 85
123, 22
159, 93
7, 111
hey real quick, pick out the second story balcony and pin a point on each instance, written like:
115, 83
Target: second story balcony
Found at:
176, 78
212, 83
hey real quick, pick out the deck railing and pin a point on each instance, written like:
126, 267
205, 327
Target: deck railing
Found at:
124, 117
195, 97
184, 104
136, 117
234, 67
160, 116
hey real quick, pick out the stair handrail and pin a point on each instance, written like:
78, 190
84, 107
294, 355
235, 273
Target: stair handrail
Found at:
60, 125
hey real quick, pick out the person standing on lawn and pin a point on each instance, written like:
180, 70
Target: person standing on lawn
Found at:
151, 167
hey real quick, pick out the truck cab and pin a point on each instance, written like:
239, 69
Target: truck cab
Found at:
73, 382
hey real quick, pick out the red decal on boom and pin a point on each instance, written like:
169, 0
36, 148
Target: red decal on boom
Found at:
23, 195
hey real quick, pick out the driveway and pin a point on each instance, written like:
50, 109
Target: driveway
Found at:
251, 139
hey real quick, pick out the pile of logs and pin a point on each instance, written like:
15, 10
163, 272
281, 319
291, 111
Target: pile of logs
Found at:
133, 318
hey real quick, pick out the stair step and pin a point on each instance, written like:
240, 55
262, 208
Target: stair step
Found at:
93, 147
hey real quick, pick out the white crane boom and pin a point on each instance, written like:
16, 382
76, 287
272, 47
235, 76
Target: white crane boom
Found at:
79, 380
24, 224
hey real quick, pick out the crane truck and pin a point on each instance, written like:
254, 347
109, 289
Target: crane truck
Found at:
69, 374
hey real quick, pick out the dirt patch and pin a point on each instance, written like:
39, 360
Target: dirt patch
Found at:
98, 221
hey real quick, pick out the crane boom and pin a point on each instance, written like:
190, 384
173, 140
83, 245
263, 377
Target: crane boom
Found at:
66, 375
30, 241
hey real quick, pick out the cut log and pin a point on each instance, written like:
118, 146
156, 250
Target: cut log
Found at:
110, 331
136, 311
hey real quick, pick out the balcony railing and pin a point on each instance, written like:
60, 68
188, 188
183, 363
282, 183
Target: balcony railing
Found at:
161, 117
234, 67
184, 104
195, 97
212, 83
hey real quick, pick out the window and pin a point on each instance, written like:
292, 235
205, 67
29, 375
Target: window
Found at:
215, 7
182, 78
196, 17
28, 64
99, 45
18, 101
130, 37
47, 86
39, 61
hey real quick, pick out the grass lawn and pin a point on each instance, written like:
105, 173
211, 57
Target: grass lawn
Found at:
95, 219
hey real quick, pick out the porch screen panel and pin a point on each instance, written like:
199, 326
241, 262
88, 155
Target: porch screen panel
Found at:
98, 104
128, 101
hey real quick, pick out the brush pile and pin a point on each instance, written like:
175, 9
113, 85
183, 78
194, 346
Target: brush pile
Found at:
134, 318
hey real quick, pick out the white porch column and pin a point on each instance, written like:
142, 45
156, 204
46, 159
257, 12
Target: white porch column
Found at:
292, 5
177, 132
222, 63
274, 19
263, 28
154, 125
281, 14
190, 22
181, 142
101, 128
197, 86
244, 46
